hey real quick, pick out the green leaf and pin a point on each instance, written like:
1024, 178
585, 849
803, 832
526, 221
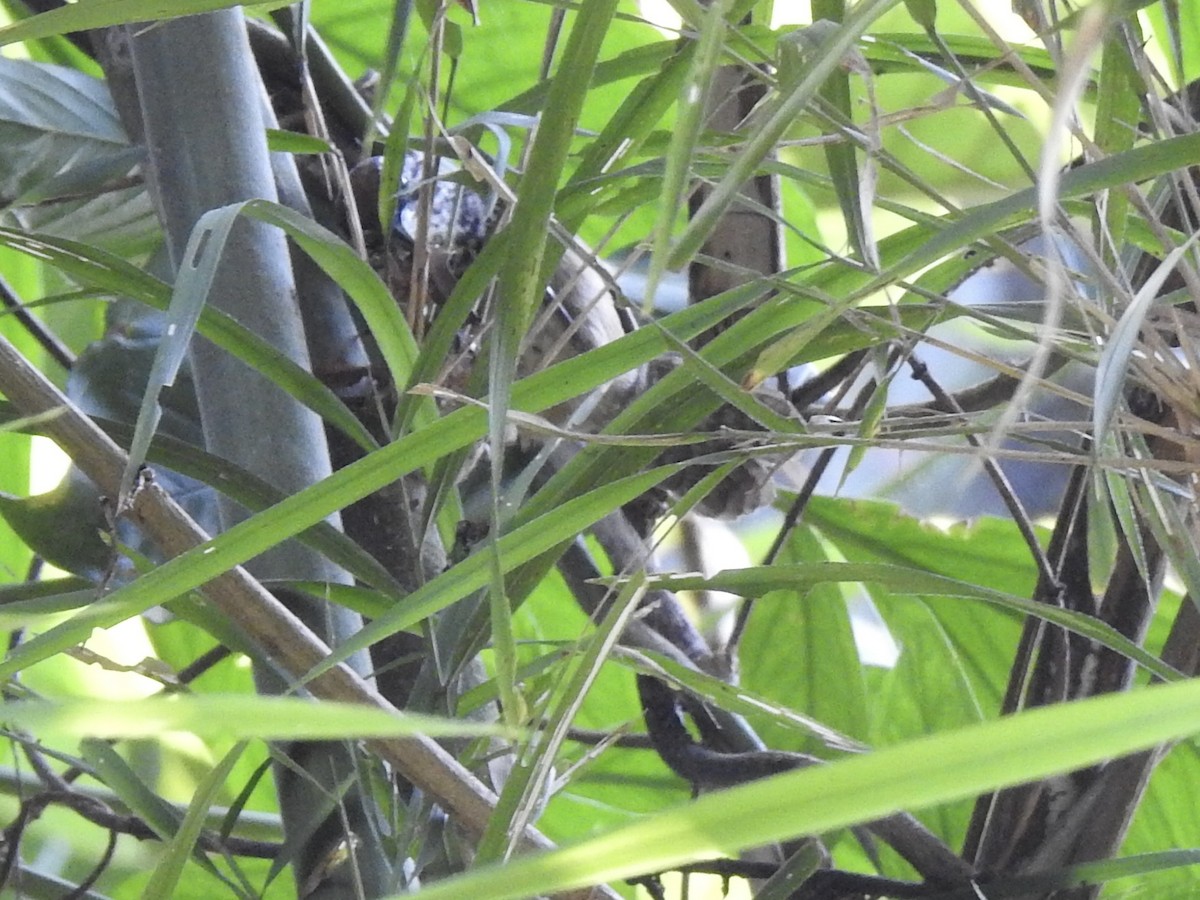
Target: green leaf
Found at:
522, 285
778, 117
786, 722
759, 580
24, 604
294, 142
63, 526
162, 818
924, 244
515, 548
822, 676
531, 776
249, 538
1115, 360
917, 774
923, 12
231, 716
693, 106
69, 525
180, 848
104, 271
104, 13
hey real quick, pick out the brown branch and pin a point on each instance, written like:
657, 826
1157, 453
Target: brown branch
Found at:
101, 814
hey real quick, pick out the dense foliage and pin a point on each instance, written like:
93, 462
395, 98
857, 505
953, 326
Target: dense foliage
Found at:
928, 266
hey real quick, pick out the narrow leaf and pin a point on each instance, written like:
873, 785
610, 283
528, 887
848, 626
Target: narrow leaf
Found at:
918, 774
236, 716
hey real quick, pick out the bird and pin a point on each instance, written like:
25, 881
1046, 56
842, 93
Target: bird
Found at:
582, 310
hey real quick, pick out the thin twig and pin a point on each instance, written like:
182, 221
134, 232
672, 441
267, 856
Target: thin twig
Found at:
101, 814
202, 664
1003, 486
595, 737
812, 390
81, 889
792, 518
46, 339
